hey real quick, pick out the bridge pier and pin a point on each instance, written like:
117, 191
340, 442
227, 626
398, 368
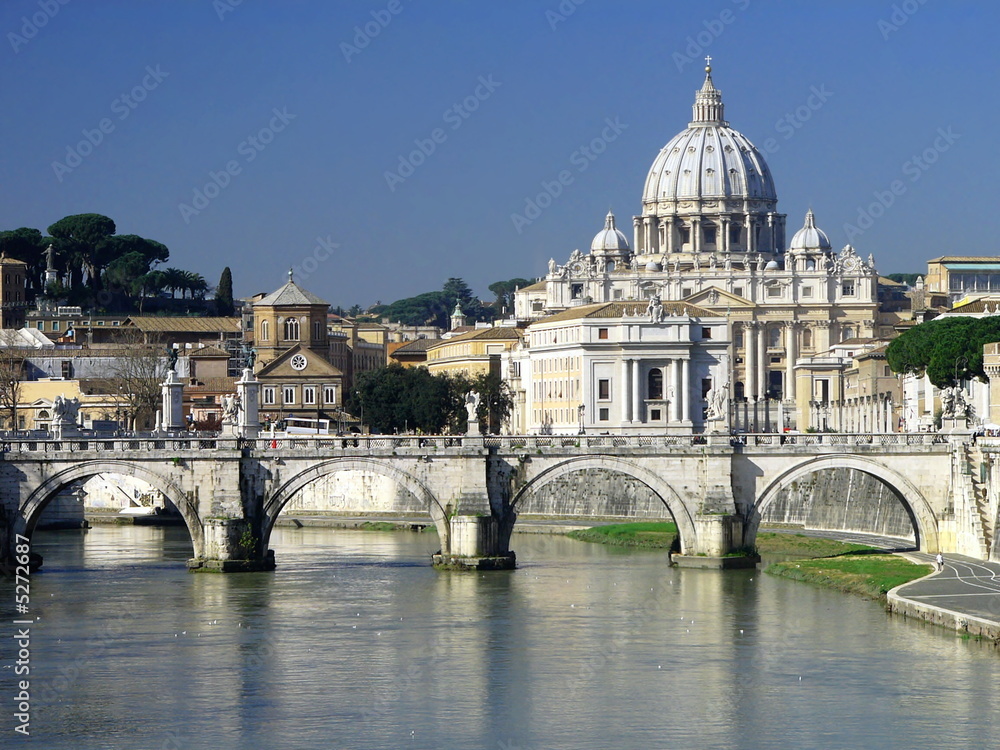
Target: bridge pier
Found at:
477, 543
719, 545
231, 545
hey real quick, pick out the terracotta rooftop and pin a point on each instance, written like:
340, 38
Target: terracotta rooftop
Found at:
150, 324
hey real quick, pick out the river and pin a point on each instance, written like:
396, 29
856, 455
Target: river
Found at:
355, 642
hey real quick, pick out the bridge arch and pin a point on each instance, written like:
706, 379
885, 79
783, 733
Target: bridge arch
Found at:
283, 494
35, 503
923, 517
655, 483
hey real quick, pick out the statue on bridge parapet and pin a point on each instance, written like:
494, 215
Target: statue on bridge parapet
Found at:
65, 412
954, 404
472, 400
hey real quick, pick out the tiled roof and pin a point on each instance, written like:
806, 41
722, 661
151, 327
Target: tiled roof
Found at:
505, 333
966, 259
206, 351
417, 345
149, 324
536, 287
977, 306
291, 294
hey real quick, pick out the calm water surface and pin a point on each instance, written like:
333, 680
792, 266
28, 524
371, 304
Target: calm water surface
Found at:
355, 642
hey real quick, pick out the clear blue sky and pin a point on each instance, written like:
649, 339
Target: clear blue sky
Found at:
222, 68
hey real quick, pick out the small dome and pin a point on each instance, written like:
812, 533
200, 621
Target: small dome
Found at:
653, 266
810, 237
772, 265
609, 239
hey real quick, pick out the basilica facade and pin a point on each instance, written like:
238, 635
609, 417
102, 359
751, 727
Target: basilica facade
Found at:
709, 236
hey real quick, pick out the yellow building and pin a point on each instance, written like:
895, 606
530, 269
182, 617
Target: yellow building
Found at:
34, 411
960, 276
469, 353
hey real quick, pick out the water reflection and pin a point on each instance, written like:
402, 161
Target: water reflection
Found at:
355, 642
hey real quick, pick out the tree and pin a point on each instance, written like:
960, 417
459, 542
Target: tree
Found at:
13, 358
397, 398
224, 294
910, 279
135, 374
946, 349
82, 240
504, 291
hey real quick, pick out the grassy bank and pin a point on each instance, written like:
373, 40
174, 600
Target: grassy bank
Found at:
866, 573
852, 568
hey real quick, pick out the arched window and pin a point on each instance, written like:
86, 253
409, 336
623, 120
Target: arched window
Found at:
265, 332
317, 330
810, 264
848, 333
807, 338
292, 329
774, 337
654, 384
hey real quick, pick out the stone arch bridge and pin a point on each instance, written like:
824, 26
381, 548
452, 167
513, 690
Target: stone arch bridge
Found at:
230, 490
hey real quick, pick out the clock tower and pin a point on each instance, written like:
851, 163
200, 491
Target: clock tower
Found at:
289, 317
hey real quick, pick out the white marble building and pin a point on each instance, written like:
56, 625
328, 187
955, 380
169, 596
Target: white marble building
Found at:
709, 234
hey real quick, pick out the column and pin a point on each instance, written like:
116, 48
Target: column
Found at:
623, 394
723, 242
673, 412
645, 230
172, 391
685, 390
751, 242
761, 361
670, 235
248, 389
695, 236
637, 236
636, 409
791, 352
750, 360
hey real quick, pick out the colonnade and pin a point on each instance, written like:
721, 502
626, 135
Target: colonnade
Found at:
862, 414
676, 384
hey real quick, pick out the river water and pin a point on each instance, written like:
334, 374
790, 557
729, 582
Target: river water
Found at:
356, 642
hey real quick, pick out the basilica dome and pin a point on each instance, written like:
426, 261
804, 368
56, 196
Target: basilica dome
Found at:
810, 237
609, 240
709, 159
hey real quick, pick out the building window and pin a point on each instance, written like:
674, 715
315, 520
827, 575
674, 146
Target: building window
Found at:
288, 394
617, 294
576, 291
774, 337
292, 329
268, 395
807, 338
40, 325
706, 333
685, 233
330, 394
706, 386
734, 235
847, 289
67, 369
709, 233
265, 330
774, 291
317, 330
654, 383
602, 333
807, 291
604, 389
309, 395
738, 291
848, 333
810, 264
654, 415
738, 339
603, 415
685, 292
55, 325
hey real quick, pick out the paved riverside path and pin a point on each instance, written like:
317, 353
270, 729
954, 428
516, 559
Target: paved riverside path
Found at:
966, 585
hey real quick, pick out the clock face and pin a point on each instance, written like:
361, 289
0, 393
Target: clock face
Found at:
299, 362
851, 263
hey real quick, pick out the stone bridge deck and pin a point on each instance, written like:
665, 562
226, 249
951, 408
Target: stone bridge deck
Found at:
230, 490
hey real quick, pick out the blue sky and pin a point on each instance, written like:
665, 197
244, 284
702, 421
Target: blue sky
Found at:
297, 123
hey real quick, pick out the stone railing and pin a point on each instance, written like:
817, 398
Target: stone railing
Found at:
381, 444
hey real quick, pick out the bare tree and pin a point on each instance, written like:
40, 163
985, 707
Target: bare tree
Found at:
135, 374
13, 356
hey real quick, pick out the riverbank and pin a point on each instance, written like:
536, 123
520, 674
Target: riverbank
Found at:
844, 566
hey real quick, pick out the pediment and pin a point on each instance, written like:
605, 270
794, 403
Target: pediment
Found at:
281, 367
714, 297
